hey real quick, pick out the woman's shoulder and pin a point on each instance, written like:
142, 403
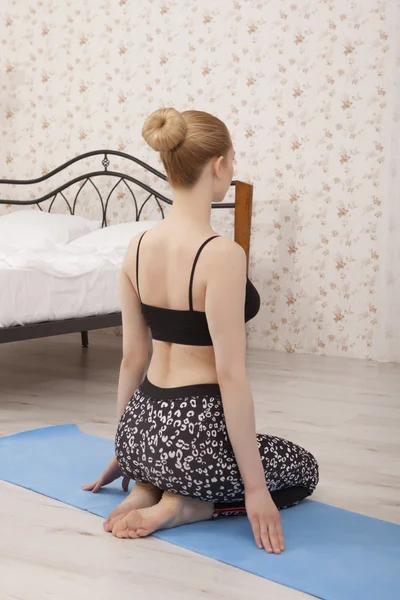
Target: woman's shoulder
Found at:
133, 244
229, 249
132, 249
225, 254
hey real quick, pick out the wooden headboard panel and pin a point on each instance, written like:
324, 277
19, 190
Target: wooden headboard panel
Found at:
243, 213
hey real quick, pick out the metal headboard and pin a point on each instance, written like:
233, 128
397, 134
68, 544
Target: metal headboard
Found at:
104, 198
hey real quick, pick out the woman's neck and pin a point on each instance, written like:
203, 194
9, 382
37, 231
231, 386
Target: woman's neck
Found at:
193, 205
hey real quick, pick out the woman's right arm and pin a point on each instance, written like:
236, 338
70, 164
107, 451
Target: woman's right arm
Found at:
225, 298
135, 346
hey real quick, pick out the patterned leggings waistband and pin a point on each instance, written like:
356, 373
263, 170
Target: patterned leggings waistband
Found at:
183, 391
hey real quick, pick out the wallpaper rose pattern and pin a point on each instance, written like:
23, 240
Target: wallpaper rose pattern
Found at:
307, 89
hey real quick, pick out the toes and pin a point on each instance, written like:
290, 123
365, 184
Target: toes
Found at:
108, 525
118, 526
114, 521
123, 535
142, 533
123, 527
133, 534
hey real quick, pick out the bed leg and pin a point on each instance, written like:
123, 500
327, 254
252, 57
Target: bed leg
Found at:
85, 339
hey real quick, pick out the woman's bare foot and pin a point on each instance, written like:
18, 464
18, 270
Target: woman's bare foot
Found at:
142, 495
171, 511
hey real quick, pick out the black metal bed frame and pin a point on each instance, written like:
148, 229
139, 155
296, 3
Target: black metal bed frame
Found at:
85, 324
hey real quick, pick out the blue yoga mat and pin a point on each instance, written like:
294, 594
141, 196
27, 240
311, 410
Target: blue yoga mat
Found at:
331, 553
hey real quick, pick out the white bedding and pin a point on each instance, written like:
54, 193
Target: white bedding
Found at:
61, 281
32, 296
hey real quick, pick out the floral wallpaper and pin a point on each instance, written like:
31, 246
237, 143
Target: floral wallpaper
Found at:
307, 89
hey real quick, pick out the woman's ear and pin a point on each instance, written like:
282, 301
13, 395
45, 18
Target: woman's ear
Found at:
218, 166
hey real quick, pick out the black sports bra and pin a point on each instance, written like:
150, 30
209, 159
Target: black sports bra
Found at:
188, 327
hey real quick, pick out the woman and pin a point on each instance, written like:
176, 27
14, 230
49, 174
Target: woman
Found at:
186, 432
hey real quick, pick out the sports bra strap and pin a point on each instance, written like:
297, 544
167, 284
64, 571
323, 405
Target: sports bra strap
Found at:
194, 267
137, 264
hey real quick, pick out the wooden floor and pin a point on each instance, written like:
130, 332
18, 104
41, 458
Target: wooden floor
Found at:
346, 412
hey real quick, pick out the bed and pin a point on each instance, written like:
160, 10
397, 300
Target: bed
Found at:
72, 286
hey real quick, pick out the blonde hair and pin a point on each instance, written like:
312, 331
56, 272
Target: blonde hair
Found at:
186, 142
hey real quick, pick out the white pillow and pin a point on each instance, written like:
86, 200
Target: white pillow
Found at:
37, 229
113, 237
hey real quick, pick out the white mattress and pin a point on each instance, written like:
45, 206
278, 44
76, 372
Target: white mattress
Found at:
34, 290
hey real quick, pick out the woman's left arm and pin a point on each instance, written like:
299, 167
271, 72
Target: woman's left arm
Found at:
135, 342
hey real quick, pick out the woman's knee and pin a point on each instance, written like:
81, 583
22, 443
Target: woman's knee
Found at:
312, 471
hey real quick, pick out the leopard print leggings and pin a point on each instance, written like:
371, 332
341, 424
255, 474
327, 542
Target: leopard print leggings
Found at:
176, 439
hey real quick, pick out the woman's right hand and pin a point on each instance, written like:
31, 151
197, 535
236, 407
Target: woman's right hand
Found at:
265, 520
110, 474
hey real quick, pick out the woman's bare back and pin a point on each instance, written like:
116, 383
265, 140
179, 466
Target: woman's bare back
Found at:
166, 257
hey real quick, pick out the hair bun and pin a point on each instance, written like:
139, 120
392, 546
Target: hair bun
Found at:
164, 129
